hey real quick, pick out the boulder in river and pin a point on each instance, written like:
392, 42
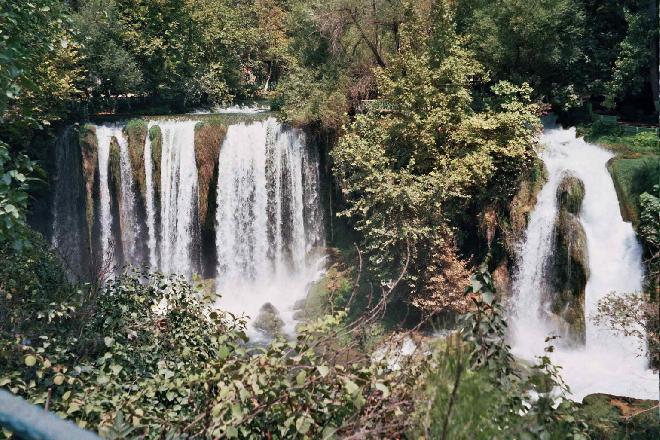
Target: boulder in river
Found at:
269, 321
570, 265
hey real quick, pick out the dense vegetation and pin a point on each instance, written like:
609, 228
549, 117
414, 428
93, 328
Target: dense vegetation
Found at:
431, 110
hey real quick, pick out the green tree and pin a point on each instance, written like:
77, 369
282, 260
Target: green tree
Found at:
634, 54
110, 69
39, 73
535, 41
426, 151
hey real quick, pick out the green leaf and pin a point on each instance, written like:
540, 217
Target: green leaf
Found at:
30, 360
359, 401
351, 387
323, 370
328, 433
383, 389
215, 411
300, 378
303, 424
231, 432
108, 341
223, 352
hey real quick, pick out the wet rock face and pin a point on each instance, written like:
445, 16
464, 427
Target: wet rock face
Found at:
570, 265
570, 194
268, 321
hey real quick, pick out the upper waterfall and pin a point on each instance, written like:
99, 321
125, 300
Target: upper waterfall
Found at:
238, 203
608, 363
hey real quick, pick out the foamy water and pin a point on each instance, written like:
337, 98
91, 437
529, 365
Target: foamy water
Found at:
608, 363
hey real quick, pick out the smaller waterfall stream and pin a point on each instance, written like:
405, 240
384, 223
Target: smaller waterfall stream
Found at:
178, 207
128, 210
104, 135
150, 205
608, 363
266, 227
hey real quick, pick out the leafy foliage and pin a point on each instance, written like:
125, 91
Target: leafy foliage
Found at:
634, 315
649, 232
634, 57
15, 176
39, 73
410, 167
155, 357
530, 41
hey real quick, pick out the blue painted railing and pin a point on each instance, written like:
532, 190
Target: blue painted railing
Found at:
30, 422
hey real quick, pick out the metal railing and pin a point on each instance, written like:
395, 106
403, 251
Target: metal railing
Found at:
31, 422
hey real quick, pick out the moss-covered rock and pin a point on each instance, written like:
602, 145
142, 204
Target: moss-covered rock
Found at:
632, 177
156, 137
136, 135
521, 206
511, 222
502, 278
89, 151
114, 183
268, 321
570, 265
332, 290
208, 139
209, 136
612, 417
570, 194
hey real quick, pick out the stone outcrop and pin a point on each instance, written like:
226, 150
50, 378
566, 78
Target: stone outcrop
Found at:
269, 321
114, 183
209, 136
570, 265
616, 417
89, 151
570, 194
136, 135
208, 139
156, 137
504, 229
522, 205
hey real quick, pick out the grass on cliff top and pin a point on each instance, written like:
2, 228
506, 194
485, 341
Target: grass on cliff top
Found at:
614, 138
632, 177
636, 167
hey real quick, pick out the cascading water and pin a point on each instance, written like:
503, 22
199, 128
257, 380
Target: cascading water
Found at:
179, 229
70, 234
267, 222
130, 226
608, 363
104, 135
150, 205
268, 217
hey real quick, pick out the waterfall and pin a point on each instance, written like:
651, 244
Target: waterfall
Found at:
608, 363
179, 198
130, 226
149, 201
268, 219
104, 136
264, 215
70, 231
